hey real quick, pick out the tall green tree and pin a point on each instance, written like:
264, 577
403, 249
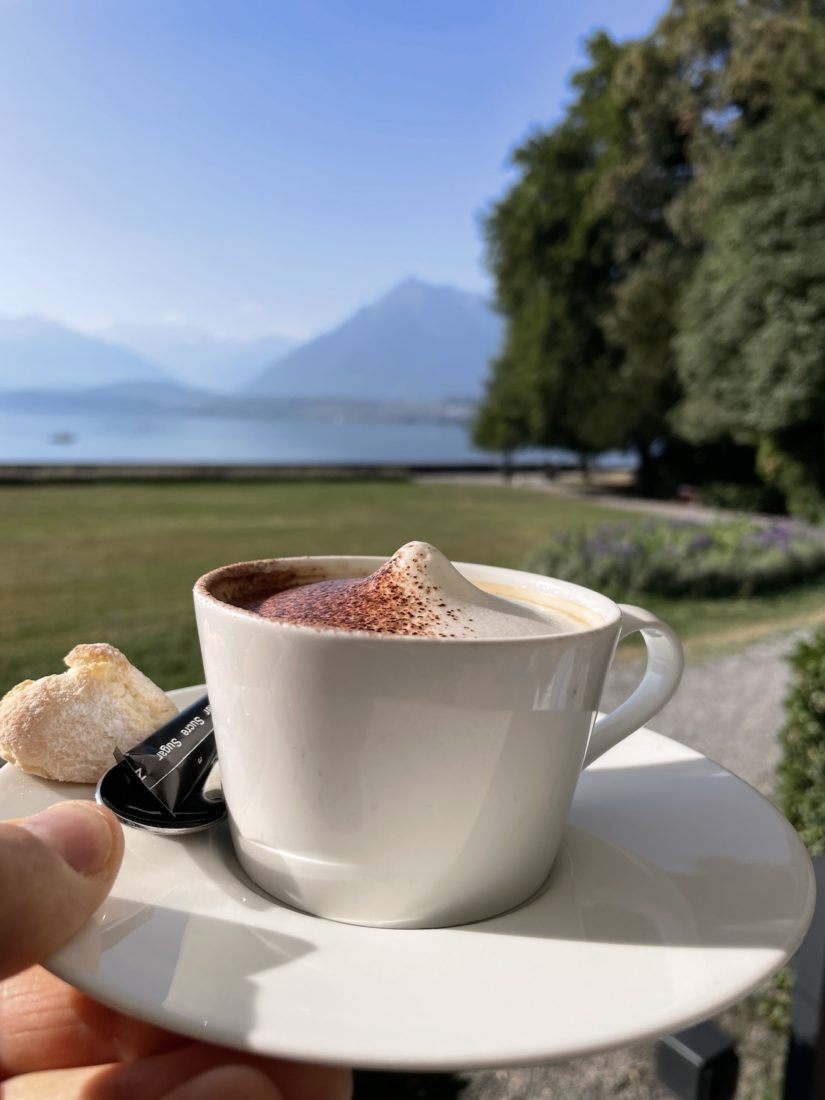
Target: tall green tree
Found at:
617, 209
552, 258
663, 86
503, 421
588, 269
752, 347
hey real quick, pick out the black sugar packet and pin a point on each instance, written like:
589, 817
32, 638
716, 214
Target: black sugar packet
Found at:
164, 783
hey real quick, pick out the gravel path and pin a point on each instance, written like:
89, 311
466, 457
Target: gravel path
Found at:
729, 708
681, 511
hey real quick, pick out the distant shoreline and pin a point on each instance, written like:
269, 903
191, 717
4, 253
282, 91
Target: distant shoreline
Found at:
50, 473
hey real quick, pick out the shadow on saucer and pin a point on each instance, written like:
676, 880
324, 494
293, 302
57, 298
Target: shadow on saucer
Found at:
676, 854
172, 967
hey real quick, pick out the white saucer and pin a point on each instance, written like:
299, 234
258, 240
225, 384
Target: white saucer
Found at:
677, 891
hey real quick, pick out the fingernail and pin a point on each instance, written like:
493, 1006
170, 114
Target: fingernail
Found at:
77, 831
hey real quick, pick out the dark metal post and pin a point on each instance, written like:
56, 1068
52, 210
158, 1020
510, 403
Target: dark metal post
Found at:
699, 1063
372, 1085
805, 1066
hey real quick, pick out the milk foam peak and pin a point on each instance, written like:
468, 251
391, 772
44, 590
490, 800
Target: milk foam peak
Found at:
417, 592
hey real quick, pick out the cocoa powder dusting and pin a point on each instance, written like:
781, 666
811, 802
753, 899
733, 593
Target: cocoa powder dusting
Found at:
386, 602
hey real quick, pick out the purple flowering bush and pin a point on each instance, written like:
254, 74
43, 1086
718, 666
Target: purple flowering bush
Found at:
683, 559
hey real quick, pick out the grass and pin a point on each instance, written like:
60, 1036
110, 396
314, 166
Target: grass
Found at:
711, 627
117, 562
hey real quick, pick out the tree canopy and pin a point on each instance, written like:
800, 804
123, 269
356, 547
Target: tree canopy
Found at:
659, 259
752, 344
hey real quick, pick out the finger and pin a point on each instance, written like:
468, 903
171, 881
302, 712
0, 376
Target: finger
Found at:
154, 1078
46, 1024
95, 1082
57, 1084
55, 870
228, 1081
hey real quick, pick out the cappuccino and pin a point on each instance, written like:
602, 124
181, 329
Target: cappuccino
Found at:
417, 593
400, 740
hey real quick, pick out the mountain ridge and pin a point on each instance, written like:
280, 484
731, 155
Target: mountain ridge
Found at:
196, 356
47, 355
416, 342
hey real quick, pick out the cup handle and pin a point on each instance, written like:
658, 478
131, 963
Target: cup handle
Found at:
665, 662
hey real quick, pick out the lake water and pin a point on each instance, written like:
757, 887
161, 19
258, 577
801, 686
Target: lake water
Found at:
195, 439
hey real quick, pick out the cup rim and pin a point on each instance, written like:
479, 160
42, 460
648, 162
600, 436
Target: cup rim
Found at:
608, 612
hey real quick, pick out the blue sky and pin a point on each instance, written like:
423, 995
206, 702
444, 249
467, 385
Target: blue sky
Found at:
252, 166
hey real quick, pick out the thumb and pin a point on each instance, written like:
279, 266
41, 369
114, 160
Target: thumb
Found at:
55, 870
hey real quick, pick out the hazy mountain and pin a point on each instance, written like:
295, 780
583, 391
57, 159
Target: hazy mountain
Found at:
43, 355
198, 357
417, 343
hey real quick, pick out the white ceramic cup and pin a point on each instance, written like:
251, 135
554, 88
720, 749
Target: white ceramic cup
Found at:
412, 782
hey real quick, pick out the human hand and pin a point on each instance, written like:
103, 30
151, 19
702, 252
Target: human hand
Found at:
55, 1043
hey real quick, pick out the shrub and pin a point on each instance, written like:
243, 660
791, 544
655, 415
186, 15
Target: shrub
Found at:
797, 476
740, 497
682, 559
801, 772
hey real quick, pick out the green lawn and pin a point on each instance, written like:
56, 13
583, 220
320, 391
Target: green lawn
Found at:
117, 562
710, 627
